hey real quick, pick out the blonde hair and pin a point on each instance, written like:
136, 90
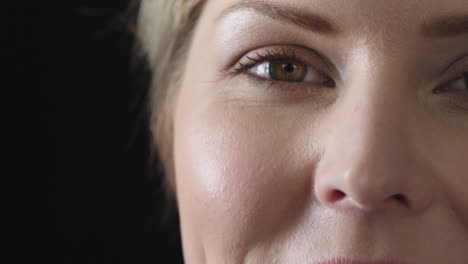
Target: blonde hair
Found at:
164, 30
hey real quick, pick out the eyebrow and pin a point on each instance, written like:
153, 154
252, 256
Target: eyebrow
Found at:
448, 26
308, 21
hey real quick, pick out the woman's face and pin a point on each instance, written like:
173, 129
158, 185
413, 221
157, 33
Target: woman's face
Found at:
314, 131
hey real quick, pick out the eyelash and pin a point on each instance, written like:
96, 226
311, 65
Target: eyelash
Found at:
262, 57
460, 71
279, 54
455, 99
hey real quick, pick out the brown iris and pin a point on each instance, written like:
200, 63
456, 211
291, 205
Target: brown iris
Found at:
287, 70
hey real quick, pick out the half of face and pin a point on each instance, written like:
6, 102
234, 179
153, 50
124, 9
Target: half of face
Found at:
325, 132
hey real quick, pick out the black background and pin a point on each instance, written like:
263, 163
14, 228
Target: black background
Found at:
105, 201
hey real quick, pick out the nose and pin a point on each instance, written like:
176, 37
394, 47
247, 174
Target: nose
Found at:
371, 157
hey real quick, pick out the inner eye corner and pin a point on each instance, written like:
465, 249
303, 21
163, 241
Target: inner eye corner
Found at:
329, 82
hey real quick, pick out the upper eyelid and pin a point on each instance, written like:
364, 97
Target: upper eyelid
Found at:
459, 63
262, 59
273, 55
455, 69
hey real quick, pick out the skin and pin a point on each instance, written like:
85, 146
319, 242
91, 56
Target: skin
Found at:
372, 169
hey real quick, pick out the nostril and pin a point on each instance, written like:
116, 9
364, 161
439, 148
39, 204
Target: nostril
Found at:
336, 195
400, 198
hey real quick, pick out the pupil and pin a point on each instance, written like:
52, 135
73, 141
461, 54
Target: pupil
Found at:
289, 67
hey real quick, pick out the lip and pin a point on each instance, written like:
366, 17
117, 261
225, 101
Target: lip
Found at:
354, 261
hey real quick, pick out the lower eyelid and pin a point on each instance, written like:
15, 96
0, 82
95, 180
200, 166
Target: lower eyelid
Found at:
283, 88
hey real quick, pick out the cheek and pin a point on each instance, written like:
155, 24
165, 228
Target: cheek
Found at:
454, 168
237, 172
